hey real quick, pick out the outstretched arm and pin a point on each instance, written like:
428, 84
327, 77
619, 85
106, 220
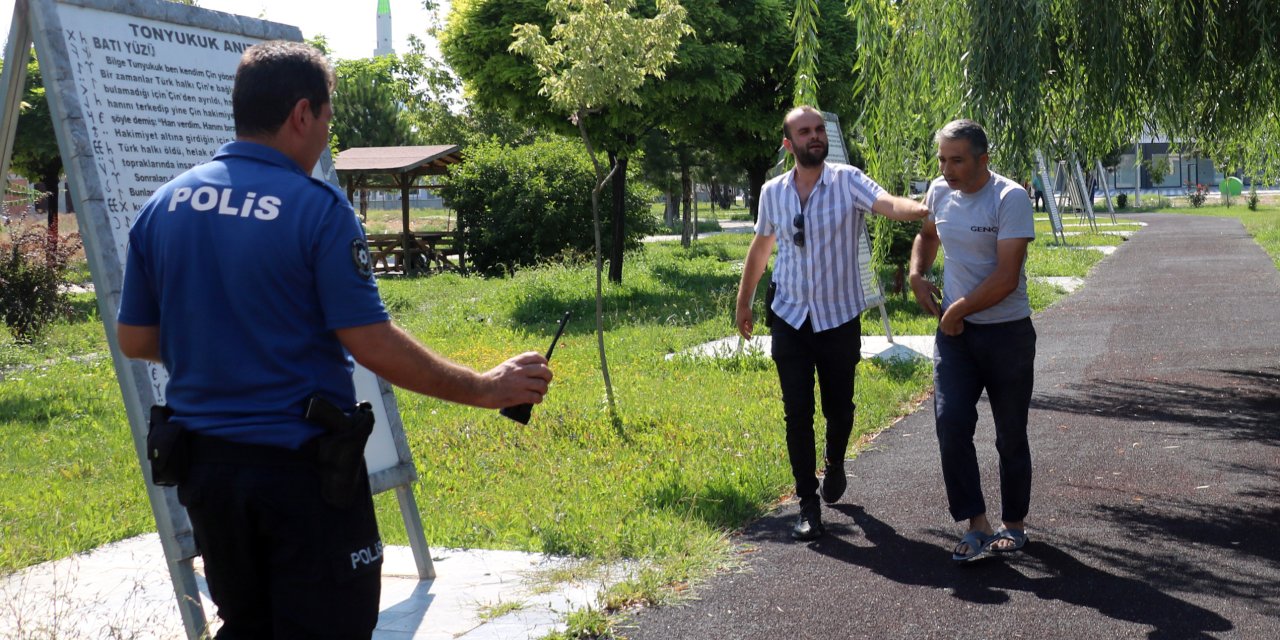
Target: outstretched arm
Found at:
388, 351
899, 208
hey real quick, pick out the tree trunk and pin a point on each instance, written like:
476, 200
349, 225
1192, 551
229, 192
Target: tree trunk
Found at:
694, 230
672, 208
686, 199
619, 217
50, 181
755, 181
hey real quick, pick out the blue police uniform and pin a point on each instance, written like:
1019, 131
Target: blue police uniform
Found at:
248, 266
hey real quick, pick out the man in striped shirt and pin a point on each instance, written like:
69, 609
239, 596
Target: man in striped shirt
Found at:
814, 214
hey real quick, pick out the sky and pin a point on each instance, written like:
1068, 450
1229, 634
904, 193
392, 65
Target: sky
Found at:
349, 25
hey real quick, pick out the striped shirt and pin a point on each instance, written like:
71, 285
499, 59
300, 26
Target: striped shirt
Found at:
820, 280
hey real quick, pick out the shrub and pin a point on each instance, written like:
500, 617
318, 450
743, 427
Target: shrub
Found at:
1196, 196
32, 274
1253, 198
892, 246
1122, 200
518, 206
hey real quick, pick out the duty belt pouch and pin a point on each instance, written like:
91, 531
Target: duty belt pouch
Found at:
340, 451
167, 448
769, 292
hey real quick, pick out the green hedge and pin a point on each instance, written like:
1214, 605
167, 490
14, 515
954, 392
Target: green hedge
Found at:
518, 206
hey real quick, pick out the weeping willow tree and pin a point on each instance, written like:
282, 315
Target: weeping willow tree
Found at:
804, 24
1082, 77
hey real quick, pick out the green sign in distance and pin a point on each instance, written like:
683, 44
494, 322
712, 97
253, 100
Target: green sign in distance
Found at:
1231, 186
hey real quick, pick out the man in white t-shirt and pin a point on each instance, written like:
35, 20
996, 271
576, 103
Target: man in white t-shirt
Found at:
983, 222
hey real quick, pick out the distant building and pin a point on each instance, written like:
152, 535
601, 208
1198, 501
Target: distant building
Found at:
384, 29
1186, 170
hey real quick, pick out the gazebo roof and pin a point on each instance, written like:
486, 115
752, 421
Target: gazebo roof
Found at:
417, 161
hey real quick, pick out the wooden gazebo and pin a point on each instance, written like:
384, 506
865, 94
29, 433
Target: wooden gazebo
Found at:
409, 252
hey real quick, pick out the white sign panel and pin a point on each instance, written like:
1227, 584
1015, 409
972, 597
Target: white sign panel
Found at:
156, 100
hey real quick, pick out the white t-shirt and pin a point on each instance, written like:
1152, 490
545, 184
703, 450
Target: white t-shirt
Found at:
969, 225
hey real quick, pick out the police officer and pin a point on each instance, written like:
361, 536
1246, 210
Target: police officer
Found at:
251, 282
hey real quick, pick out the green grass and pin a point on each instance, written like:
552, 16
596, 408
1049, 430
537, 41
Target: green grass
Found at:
495, 611
392, 221
705, 212
699, 453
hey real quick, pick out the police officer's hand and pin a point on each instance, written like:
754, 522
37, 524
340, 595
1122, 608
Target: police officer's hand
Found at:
745, 321
521, 380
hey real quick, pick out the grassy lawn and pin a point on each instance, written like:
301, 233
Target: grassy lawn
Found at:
384, 221
700, 451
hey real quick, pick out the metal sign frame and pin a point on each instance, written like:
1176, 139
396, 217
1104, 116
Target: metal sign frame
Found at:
1082, 194
1055, 219
1106, 191
73, 95
872, 291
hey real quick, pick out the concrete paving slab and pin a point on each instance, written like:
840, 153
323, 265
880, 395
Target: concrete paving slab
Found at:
1121, 234
872, 347
1066, 283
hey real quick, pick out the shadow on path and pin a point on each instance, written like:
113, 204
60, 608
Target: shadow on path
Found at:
1227, 403
1042, 569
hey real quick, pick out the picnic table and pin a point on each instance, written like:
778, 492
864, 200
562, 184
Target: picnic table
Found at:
427, 252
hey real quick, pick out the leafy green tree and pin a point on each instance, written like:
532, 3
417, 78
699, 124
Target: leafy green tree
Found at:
1158, 168
804, 59
599, 55
476, 44
395, 100
367, 111
1081, 76
751, 122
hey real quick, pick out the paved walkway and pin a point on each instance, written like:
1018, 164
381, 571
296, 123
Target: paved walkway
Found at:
122, 590
1156, 508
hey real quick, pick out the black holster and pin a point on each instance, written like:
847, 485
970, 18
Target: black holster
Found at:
339, 452
168, 448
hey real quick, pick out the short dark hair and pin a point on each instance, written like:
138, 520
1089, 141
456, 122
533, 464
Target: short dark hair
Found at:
786, 131
272, 78
964, 130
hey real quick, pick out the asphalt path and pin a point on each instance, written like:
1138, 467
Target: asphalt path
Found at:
1155, 431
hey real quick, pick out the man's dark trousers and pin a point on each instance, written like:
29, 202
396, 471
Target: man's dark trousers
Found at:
834, 355
1000, 358
281, 561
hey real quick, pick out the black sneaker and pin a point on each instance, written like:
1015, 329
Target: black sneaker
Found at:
834, 483
808, 526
